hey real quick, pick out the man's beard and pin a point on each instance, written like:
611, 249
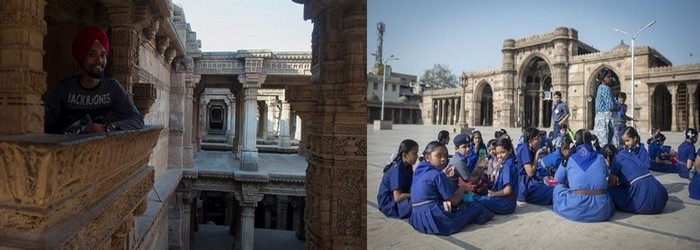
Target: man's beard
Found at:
96, 72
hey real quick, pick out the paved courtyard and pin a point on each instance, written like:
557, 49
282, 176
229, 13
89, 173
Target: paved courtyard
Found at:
531, 226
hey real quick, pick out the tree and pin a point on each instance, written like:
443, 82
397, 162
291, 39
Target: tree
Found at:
439, 77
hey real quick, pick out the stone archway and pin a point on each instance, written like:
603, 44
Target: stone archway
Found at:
593, 91
484, 105
681, 112
532, 87
661, 108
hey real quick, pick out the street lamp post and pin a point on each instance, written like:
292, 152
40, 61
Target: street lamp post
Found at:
632, 38
391, 57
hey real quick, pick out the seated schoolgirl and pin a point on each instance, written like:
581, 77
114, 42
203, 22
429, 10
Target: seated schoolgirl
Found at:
581, 194
686, 153
633, 189
437, 207
477, 152
501, 198
548, 165
531, 188
694, 186
658, 161
394, 197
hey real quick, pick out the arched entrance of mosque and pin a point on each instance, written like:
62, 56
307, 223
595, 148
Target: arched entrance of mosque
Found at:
484, 105
682, 99
536, 79
661, 108
593, 91
696, 107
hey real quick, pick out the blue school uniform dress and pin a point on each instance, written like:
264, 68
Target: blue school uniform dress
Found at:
686, 151
430, 189
531, 189
639, 192
655, 151
398, 176
473, 156
585, 171
694, 186
549, 161
502, 204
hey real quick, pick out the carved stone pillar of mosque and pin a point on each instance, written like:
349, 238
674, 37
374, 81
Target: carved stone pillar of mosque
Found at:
22, 77
673, 89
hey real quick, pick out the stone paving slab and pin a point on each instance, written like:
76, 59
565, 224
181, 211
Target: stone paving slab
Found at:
531, 226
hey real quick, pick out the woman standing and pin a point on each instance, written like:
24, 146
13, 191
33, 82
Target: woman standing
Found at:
604, 103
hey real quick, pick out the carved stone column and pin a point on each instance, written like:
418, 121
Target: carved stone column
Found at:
22, 77
119, 238
674, 106
176, 122
188, 152
282, 202
339, 44
284, 140
269, 116
231, 118
297, 132
301, 99
301, 223
251, 82
249, 197
692, 122
124, 47
203, 114
509, 110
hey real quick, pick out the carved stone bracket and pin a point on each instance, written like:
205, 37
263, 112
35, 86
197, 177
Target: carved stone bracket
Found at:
145, 94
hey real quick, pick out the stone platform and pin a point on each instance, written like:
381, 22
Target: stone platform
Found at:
531, 226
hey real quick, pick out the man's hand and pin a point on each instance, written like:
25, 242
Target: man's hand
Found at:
96, 128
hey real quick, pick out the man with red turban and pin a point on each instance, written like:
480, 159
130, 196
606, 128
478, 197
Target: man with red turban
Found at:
90, 102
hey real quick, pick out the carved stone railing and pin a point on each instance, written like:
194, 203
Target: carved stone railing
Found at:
59, 191
145, 94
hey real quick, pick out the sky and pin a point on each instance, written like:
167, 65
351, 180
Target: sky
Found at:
468, 35
230, 25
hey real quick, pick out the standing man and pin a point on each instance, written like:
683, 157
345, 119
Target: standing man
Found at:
560, 113
96, 102
604, 103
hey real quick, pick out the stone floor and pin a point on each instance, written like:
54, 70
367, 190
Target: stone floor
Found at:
531, 226
218, 237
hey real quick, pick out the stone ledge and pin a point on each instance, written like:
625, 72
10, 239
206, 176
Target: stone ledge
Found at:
49, 178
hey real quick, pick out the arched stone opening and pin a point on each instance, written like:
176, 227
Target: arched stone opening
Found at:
484, 106
661, 108
593, 91
534, 75
682, 99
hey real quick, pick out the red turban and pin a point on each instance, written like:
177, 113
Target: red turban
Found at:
84, 40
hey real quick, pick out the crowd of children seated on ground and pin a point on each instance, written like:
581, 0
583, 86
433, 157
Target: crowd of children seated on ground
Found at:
579, 179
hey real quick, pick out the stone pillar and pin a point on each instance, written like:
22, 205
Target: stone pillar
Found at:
297, 132
248, 197
251, 82
339, 47
509, 111
22, 77
433, 116
189, 125
674, 106
231, 119
301, 224
176, 121
227, 117
463, 82
282, 202
268, 211
247, 226
284, 140
269, 133
203, 114
440, 111
238, 144
124, 46
692, 123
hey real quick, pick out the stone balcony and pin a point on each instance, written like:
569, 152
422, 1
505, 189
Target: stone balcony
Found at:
61, 191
